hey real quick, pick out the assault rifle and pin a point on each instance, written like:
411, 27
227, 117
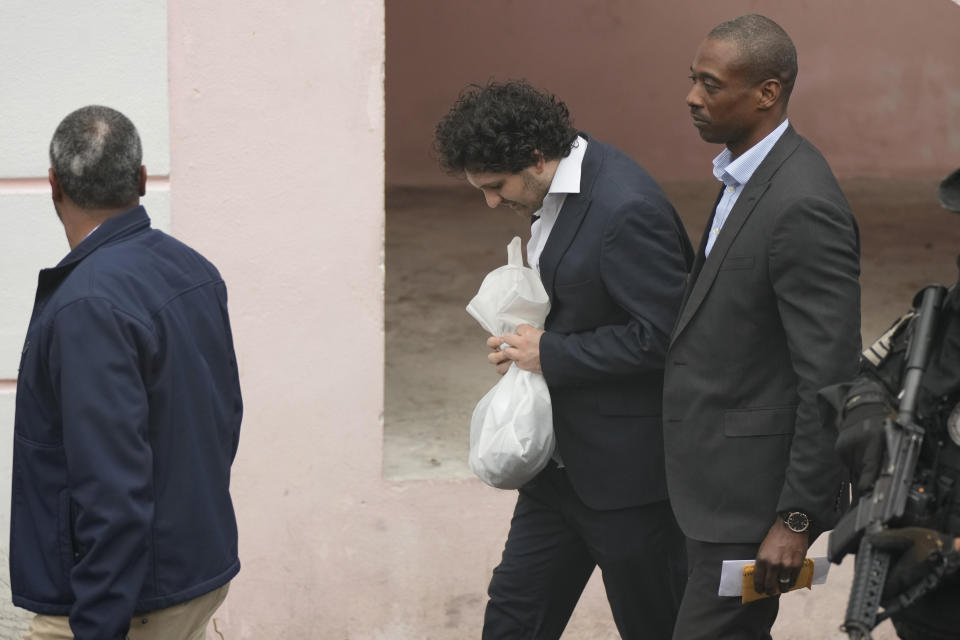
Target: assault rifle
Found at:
887, 502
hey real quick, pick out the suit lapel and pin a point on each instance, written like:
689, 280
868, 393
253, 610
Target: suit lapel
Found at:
701, 251
571, 215
752, 192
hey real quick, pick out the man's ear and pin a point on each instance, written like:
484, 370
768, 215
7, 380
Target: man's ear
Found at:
55, 191
143, 180
538, 162
769, 94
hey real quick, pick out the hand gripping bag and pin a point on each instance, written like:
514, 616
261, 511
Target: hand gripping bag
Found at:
511, 431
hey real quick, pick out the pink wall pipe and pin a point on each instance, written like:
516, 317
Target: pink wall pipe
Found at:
878, 89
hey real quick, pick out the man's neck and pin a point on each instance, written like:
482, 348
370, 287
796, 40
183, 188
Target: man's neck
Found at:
79, 223
550, 170
740, 147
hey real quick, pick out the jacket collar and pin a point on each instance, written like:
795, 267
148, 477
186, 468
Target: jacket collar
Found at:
706, 268
114, 228
571, 214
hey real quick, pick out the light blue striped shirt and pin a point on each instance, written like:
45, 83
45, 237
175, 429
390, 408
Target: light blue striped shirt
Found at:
736, 174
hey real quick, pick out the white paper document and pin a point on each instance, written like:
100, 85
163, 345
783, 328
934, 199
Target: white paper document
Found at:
731, 576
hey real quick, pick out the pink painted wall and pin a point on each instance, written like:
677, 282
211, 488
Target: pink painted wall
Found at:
277, 176
878, 89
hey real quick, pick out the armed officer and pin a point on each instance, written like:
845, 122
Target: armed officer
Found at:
922, 589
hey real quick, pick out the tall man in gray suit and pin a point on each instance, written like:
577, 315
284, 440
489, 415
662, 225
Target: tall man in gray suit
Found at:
771, 314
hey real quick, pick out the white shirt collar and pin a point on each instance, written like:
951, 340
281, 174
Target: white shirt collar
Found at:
739, 171
90, 233
566, 179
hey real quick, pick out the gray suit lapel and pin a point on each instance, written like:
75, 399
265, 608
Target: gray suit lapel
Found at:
699, 258
745, 206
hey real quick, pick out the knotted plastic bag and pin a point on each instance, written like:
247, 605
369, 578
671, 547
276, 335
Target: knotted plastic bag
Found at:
511, 431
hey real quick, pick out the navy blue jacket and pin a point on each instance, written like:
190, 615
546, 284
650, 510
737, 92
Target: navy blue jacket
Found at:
615, 266
127, 422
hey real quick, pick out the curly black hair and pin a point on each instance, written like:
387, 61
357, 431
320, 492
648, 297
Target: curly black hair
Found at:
500, 127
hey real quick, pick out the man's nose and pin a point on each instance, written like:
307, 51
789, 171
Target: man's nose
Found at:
694, 100
493, 199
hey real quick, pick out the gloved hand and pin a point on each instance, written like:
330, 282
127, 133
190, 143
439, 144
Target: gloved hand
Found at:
862, 440
915, 552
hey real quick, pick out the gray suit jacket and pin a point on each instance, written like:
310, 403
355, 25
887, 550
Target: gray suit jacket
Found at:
769, 318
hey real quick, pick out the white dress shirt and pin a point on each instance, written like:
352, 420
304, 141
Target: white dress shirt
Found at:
735, 174
566, 180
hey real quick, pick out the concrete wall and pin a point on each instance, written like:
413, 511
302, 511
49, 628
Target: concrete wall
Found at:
277, 175
878, 89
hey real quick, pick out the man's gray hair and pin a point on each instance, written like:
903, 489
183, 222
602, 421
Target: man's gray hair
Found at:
766, 51
96, 155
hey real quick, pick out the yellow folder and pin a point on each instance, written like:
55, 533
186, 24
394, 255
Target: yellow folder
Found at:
804, 579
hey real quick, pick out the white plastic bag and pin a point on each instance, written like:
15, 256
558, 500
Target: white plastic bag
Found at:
511, 431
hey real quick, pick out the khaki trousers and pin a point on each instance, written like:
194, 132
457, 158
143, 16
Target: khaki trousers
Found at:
185, 621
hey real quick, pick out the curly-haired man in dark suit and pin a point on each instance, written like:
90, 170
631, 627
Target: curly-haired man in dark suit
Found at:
613, 256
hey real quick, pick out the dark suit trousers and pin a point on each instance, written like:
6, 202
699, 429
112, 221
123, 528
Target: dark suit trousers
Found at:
706, 616
554, 543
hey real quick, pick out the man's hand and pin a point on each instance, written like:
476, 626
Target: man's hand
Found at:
524, 347
862, 437
779, 559
916, 552
498, 358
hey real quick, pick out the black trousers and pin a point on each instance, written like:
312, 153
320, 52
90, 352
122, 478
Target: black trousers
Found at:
555, 541
706, 616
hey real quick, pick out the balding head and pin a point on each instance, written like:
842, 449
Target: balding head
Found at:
96, 156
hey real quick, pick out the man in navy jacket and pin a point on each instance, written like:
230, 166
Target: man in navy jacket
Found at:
613, 257
128, 413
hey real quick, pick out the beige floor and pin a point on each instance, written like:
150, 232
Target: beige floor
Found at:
440, 244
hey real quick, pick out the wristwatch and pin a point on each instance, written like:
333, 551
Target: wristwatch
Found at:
796, 521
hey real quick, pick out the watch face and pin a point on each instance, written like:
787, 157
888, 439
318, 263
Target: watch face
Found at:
797, 521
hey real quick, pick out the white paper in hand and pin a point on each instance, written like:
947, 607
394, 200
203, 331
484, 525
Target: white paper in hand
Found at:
511, 431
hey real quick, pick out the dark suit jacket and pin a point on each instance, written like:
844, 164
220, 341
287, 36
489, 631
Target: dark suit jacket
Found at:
772, 316
614, 266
